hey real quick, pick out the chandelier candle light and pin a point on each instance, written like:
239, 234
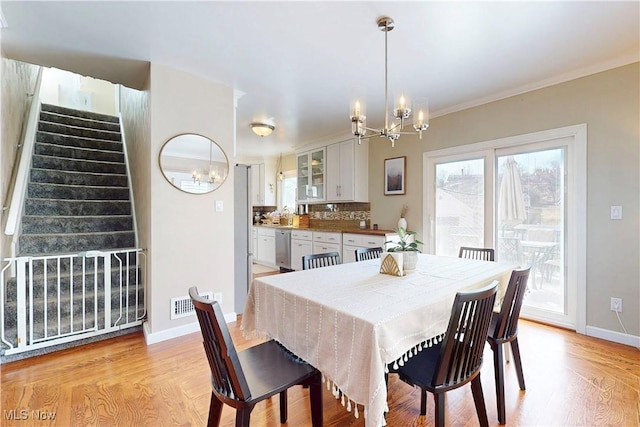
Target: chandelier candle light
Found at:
213, 175
401, 111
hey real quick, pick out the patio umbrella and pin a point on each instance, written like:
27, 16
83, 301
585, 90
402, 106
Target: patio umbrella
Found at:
511, 207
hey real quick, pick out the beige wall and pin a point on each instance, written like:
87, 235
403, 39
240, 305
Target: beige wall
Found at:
134, 109
189, 242
609, 103
18, 81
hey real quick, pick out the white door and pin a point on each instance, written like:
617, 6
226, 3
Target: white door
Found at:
524, 196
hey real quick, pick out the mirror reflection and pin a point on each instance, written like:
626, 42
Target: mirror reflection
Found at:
193, 163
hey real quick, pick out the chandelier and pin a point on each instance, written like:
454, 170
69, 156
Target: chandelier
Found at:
212, 176
401, 110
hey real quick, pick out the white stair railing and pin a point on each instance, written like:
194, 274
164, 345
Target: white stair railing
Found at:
51, 308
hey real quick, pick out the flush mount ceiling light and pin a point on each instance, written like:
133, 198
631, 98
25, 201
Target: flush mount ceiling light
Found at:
401, 110
262, 129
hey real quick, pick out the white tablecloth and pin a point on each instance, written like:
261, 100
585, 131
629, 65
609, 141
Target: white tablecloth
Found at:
350, 321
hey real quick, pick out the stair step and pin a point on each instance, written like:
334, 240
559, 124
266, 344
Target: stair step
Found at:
49, 162
38, 190
80, 153
78, 113
51, 117
34, 224
76, 141
53, 176
78, 296
117, 300
34, 244
77, 284
79, 131
76, 207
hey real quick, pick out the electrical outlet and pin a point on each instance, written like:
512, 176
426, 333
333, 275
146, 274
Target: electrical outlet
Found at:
616, 304
218, 297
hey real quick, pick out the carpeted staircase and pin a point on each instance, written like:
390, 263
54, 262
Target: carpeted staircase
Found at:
77, 200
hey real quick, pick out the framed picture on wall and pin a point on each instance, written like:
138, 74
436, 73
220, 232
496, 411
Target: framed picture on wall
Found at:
394, 175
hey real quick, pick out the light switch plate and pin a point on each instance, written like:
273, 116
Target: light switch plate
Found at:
616, 212
219, 206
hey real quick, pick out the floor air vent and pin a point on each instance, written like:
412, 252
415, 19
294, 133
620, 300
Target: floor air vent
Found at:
183, 307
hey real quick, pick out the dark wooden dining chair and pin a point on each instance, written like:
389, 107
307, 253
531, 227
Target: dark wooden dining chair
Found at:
457, 359
504, 329
242, 379
483, 254
368, 253
320, 260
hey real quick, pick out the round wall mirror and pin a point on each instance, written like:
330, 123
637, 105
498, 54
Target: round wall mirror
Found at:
193, 163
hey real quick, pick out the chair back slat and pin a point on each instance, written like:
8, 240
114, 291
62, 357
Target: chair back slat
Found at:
368, 253
507, 324
320, 260
226, 372
463, 346
483, 254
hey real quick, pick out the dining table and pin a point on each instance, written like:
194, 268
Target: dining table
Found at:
351, 321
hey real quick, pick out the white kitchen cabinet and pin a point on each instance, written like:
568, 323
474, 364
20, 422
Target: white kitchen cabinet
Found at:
262, 192
353, 241
266, 246
324, 242
257, 184
311, 176
347, 172
301, 245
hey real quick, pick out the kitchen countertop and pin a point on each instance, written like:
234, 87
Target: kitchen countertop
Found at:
368, 231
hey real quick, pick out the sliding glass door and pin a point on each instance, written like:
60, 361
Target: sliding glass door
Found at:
530, 219
511, 197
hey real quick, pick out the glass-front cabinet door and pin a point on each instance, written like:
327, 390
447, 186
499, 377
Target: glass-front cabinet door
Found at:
311, 176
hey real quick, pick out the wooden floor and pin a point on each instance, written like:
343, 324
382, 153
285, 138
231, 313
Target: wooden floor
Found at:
571, 380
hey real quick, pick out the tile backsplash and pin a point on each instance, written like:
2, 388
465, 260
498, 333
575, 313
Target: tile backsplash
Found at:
330, 215
340, 215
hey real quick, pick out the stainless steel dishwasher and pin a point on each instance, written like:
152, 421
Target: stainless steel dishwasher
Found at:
283, 249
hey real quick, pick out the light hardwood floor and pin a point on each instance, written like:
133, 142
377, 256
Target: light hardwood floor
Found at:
571, 380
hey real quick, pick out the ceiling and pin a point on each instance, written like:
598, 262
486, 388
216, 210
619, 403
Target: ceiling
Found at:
301, 64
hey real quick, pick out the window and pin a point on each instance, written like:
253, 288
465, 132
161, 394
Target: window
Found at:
289, 185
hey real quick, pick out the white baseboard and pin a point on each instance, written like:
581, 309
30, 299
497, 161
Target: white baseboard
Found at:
614, 336
167, 334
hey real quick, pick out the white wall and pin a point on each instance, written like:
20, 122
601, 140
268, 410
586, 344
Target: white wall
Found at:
189, 242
